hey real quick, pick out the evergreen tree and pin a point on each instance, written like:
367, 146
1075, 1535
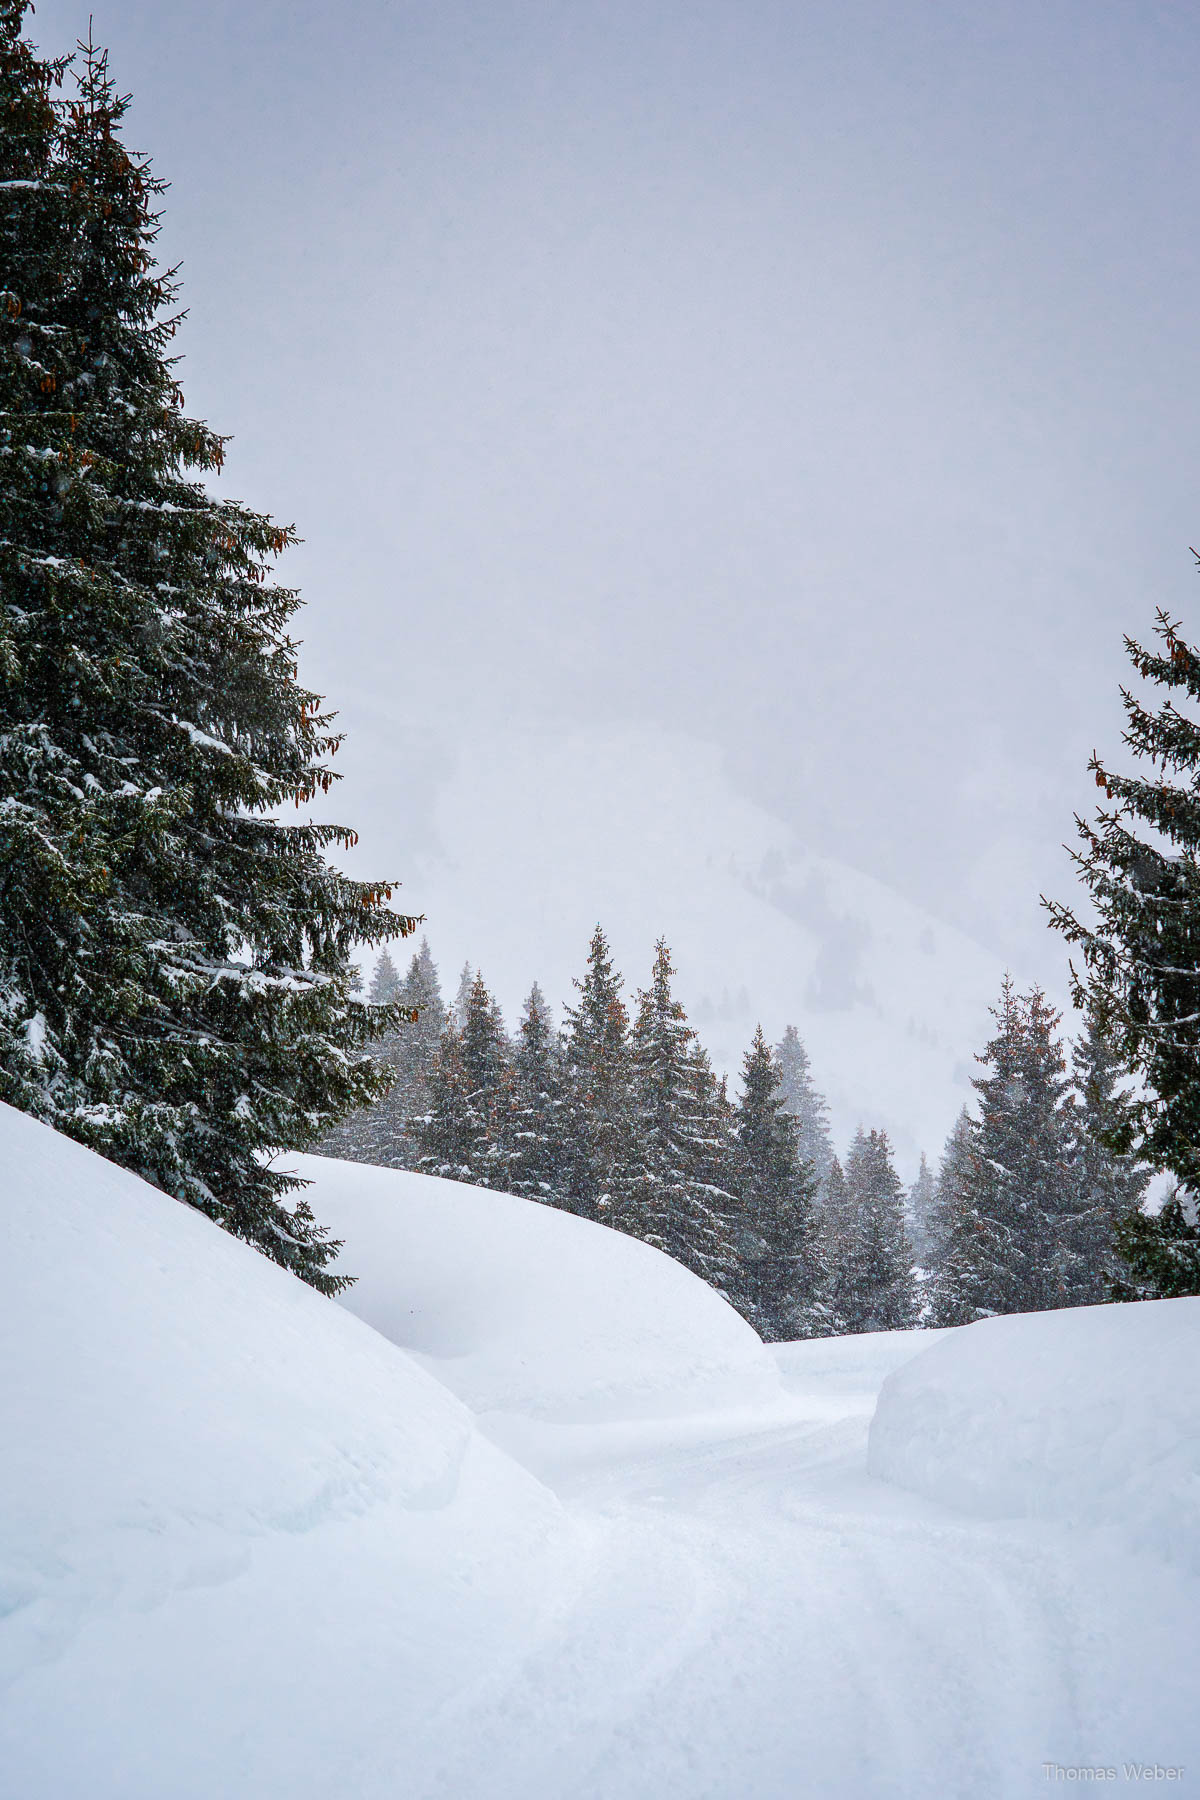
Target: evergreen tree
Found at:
535, 1124
808, 1107
953, 1211
1111, 1186
1018, 1241
775, 1189
386, 1133
465, 1135
870, 1284
485, 1059
417, 1047
918, 1212
599, 1103
386, 987
717, 1142
176, 982
1140, 978
462, 997
38, 226
447, 1135
1159, 1251
671, 1199
835, 1238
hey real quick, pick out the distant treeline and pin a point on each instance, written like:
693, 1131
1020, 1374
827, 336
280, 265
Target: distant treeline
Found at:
618, 1117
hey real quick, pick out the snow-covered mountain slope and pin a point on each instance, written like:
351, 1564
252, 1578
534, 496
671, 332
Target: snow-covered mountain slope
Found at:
524, 1309
250, 1548
643, 831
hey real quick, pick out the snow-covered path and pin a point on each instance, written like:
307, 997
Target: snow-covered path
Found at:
753, 1615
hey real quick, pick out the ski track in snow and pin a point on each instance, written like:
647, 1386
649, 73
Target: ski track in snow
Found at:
799, 1629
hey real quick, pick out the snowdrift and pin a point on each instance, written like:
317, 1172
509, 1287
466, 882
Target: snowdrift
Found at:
521, 1308
1090, 1416
219, 1487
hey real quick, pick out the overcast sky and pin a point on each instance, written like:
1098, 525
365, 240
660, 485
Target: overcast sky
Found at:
819, 379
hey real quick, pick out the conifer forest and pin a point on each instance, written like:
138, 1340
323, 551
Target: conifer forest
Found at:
617, 1116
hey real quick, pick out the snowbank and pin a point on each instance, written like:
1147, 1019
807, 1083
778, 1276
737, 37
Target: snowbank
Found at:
521, 1308
218, 1487
1090, 1416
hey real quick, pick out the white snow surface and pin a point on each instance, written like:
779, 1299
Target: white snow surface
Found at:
522, 1309
249, 1547
227, 1506
1046, 1416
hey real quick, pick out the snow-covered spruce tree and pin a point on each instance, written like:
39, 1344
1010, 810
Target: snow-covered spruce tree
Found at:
599, 1121
534, 1126
462, 995
1016, 1240
807, 1106
672, 1199
386, 986
175, 971
1140, 975
717, 1142
416, 1049
980, 1208
39, 205
953, 1207
834, 1237
465, 1135
880, 1291
446, 1135
374, 1133
871, 1285
384, 1133
775, 1189
918, 1212
1160, 1251
1111, 1186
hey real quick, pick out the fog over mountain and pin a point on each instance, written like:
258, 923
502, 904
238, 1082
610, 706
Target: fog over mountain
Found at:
642, 830
807, 392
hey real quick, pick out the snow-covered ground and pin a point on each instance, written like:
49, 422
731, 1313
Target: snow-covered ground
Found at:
571, 1532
